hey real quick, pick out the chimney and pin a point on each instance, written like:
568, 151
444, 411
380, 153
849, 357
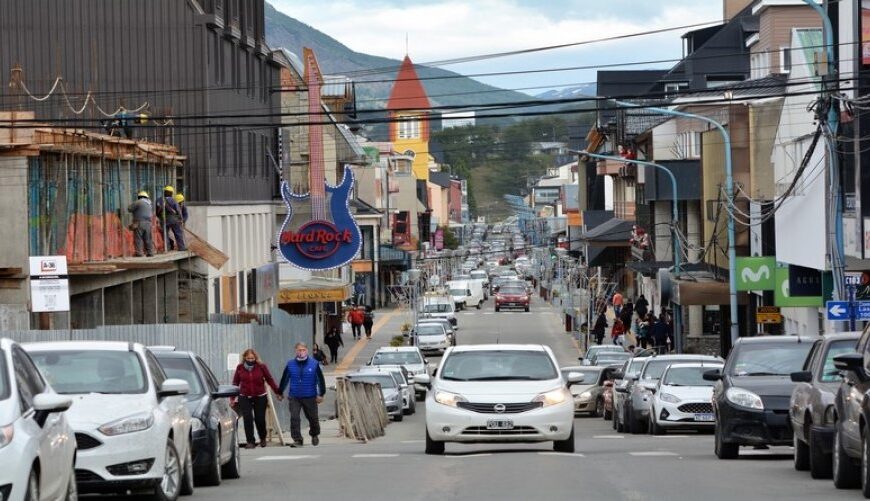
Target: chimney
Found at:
730, 8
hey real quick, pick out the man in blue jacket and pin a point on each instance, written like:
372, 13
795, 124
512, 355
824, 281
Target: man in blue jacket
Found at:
306, 384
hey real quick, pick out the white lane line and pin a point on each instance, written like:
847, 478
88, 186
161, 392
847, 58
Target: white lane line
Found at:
468, 455
375, 456
672, 436
651, 454
285, 458
564, 454
413, 441
608, 436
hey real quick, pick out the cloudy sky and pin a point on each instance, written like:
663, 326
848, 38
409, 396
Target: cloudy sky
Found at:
438, 30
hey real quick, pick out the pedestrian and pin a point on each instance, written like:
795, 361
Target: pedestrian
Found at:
303, 380
600, 327
252, 376
141, 225
368, 321
626, 314
170, 215
333, 341
617, 330
660, 335
641, 306
643, 329
616, 300
356, 317
318, 354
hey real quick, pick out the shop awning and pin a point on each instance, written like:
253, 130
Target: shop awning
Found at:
612, 233
314, 290
704, 291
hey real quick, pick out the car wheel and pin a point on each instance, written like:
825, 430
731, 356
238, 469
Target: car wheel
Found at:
72, 489
801, 453
527, 309
496, 309
599, 408
844, 471
214, 475
865, 464
654, 428
399, 417
479, 305
187, 477
566, 445
820, 463
723, 449
167, 488
433, 446
413, 406
620, 421
233, 469
32, 493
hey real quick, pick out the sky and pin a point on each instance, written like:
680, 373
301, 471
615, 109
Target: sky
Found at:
437, 30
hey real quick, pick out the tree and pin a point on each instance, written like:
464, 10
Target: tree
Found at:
450, 240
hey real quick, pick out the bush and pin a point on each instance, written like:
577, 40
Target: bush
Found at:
397, 341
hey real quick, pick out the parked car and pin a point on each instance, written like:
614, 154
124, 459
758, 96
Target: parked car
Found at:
850, 461
131, 425
589, 393
682, 399
640, 394
451, 334
500, 393
512, 297
37, 444
812, 403
623, 380
593, 352
611, 358
390, 390
439, 307
214, 425
409, 357
751, 397
406, 384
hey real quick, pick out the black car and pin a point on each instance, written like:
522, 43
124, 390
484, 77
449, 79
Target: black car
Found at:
751, 397
215, 441
851, 448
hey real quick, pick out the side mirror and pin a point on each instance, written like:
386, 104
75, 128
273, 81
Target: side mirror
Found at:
173, 387
713, 375
851, 362
423, 380
620, 389
48, 403
579, 358
802, 377
575, 378
618, 375
226, 391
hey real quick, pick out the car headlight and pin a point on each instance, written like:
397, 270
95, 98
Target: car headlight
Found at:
449, 399
129, 424
744, 398
6, 434
830, 416
586, 395
667, 397
553, 397
196, 424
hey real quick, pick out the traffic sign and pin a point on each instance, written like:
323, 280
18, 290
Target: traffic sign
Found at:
862, 310
839, 310
768, 315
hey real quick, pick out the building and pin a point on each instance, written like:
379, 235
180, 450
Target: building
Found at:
408, 108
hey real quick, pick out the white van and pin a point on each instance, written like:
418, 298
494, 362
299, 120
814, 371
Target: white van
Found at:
466, 293
484, 279
439, 307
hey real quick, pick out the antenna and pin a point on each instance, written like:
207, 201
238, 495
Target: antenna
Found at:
406, 43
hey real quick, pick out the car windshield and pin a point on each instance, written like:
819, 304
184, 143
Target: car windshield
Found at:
457, 292
385, 380
4, 377
634, 367
590, 376
437, 308
429, 330
829, 373
92, 371
611, 358
512, 290
687, 376
769, 358
397, 358
182, 368
498, 365
478, 274
654, 368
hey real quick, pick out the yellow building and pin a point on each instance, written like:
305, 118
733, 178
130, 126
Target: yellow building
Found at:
408, 108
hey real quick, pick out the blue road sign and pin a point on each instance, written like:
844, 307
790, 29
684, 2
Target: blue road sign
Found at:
840, 310
862, 310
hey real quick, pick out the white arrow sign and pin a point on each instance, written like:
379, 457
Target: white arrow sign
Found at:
837, 310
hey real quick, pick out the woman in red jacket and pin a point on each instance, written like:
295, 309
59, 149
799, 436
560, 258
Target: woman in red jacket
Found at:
251, 377
617, 330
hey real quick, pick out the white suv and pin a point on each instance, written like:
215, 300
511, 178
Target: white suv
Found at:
130, 421
37, 447
500, 393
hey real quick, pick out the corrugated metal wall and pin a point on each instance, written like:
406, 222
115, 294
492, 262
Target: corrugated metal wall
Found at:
165, 54
213, 342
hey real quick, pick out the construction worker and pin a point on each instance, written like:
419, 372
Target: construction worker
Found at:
179, 199
170, 215
141, 226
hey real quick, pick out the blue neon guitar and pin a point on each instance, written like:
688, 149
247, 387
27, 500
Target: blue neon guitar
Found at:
319, 233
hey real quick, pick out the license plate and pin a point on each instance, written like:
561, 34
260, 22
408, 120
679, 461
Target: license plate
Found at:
499, 424
708, 417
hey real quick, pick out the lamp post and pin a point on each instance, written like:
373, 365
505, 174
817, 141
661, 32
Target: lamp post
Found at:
675, 245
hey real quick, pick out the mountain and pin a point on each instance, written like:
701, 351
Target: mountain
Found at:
587, 90
335, 58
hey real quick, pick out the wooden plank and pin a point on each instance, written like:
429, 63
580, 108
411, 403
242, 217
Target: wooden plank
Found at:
9, 271
210, 254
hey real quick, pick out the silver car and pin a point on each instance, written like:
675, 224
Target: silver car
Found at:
451, 332
408, 357
390, 389
406, 384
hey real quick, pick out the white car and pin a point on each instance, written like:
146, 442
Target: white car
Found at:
37, 445
500, 393
409, 357
430, 337
439, 307
683, 399
131, 425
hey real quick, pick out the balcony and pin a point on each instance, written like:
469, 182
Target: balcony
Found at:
616, 168
627, 211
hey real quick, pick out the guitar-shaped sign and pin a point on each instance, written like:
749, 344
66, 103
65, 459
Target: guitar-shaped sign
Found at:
319, 233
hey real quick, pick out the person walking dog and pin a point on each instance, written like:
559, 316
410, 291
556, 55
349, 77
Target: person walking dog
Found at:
252, 376
305, 386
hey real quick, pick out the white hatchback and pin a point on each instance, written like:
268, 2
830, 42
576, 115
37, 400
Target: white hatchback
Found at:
131, 425
499, 393
37, 446
683, 399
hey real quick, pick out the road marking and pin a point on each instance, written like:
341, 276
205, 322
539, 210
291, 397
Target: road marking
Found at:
608, 436
348, 359
565, 454
375, 455
413, 441
285, 458
672, 436
651, 454
478, 455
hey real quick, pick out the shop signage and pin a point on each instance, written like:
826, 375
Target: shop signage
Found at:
782, 292
768, 315
266, 280
755, 273
312, 295
49, 285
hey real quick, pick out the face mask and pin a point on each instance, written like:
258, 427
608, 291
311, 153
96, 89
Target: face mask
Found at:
249, 365
301, 359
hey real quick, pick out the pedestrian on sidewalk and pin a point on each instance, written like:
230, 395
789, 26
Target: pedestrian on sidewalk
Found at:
141, 225
617, 331
303, 380
599, 328
252, 376
660, 333
333, 341
641, 306
644, 323
356, 317
616, 301
368, 321
626, 315
318, 354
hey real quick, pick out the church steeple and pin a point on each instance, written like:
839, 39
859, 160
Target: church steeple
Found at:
408, 91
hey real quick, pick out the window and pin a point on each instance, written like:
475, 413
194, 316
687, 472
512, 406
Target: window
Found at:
673, 88
409, 128
759, 64
92, 371
157, 374
689, 144
182, 368
211, 379
784, 60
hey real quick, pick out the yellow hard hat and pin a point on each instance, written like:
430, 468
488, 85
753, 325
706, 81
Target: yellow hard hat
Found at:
142, 194
179, 198
170, 189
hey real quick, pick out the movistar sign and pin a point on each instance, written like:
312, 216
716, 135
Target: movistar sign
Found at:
756, 273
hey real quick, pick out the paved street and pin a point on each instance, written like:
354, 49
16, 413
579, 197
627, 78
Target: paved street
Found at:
607, 465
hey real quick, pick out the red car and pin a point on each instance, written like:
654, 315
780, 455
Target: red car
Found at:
510, 296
